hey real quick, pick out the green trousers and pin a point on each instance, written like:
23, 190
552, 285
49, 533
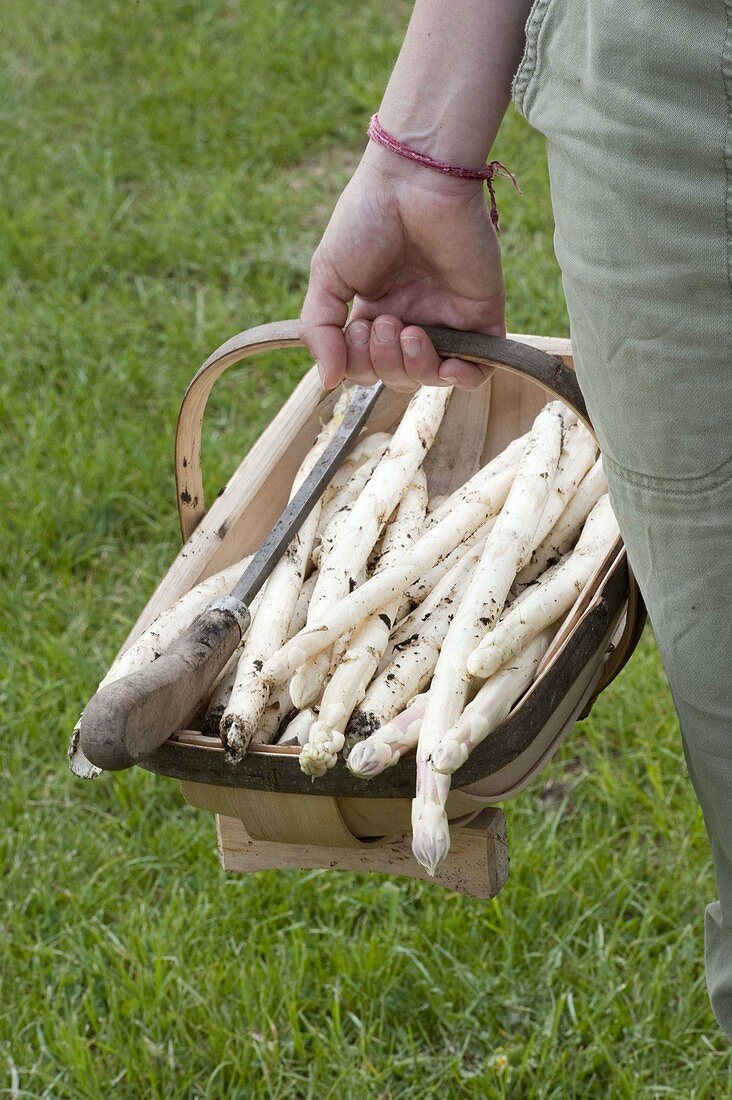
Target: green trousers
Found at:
635, 100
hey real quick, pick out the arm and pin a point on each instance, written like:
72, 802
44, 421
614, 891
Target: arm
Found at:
451, 83
405, 241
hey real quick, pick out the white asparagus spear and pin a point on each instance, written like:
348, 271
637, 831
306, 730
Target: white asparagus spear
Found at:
579, 451
224, 685
550, 598
307, 684
373, 635
250, 692
414, 649
508, 459
220, 696
347, 686
490, 706
281, 698
413, 663
325, 663
505, 549
366, 447
298, 729
412, 625
434, 544
371, 452
329, 536
509, 540
269, 626
348, 482
307, 681
430, 588
389, 742
564, 533
320, 753
340, 566
278, 708
300, 686
162, 633
269, 723
430, 828
300, 614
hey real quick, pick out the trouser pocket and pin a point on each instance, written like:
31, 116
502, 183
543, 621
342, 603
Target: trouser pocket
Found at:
527, 74
678, 542
637, 116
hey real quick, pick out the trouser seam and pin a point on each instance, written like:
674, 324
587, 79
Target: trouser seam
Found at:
527, 65
671, 486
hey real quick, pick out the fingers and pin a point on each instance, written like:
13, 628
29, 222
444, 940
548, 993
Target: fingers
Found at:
374, 352
386, 354
423, 364
421, 361
403, 358
464, 375
323, 316
359, 368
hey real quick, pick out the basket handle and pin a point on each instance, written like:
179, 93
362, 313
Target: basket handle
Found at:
554, 375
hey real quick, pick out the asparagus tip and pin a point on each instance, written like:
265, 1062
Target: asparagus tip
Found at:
448, 756
431, 834
320, 754
316, 760
479, 660
369, 758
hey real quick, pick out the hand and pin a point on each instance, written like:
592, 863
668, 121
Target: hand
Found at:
403, 242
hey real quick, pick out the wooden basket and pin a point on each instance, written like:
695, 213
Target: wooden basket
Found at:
270, 814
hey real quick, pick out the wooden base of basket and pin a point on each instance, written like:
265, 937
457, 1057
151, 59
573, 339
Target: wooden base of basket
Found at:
476, 866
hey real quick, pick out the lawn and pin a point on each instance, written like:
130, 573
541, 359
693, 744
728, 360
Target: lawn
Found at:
168, 167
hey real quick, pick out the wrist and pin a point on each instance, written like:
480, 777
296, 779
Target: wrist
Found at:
400, 171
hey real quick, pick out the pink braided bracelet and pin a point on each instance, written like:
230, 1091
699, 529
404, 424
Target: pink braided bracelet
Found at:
381, 136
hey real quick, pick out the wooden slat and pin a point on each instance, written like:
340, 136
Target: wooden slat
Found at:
477, 864
274, 816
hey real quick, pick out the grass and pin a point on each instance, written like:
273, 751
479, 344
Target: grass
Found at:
168, 167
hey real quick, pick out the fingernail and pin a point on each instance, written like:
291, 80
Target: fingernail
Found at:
358, 335
449, 378
385, 331
411, 346
321, 372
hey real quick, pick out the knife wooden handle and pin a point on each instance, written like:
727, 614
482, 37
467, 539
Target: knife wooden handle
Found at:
133, 716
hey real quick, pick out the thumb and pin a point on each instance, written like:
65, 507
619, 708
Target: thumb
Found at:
324, 313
